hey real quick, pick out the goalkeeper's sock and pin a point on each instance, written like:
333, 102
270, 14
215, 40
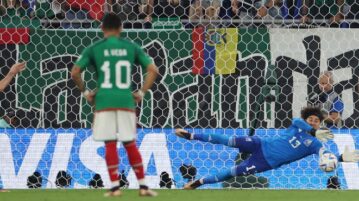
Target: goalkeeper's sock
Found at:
221, 176
135, 160
213, 138
112, 161
197, 183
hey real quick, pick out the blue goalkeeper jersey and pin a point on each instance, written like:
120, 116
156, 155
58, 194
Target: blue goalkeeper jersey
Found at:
296, 143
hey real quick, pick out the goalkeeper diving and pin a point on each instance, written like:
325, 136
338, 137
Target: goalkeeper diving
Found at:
303, 138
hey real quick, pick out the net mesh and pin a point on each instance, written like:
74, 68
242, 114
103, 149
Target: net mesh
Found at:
230, 68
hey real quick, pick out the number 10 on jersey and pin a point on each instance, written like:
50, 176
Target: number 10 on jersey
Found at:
120, 82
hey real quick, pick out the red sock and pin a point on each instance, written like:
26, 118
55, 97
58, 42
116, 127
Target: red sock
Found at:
135, 159
112, 160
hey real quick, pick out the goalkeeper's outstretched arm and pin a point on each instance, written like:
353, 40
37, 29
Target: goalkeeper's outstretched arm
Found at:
346, 156
349, 156
322, 134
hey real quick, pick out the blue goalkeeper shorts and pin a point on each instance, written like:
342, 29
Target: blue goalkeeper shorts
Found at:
256, 162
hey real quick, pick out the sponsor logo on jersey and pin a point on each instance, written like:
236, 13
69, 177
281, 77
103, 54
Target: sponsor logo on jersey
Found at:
308, 142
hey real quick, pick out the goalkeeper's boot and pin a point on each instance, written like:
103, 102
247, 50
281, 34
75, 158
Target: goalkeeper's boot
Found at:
192, 185
183, 133
146, 192
113, 192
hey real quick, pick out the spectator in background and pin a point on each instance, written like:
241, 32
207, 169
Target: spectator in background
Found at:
50, 9
20, 8
8, 7
170, 8
330, 102
204, 9
11, 3
128, 10
93, 9
3, 7
244, 9
8, 3
150, 9
146, 9
323, 9
162, 9
26, 8
279, 9
81, 13
270, 9
59, 7
42, 9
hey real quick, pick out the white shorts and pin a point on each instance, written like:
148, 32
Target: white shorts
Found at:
117, 125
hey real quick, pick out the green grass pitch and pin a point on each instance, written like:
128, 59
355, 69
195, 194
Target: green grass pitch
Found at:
182, 195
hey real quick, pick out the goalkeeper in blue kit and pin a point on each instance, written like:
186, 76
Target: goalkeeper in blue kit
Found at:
301, 139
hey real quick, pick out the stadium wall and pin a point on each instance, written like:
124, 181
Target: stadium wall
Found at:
48, 151
283, 62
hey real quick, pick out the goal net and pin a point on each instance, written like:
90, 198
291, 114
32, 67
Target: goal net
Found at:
230, 77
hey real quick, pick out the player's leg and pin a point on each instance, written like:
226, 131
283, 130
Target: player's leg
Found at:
245, 144
112, 162
135, 160
255, 164
104, 129
126, 122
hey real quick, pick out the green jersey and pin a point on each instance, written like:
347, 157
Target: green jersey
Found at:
113, 59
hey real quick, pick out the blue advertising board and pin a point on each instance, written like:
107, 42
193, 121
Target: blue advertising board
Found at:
48, 151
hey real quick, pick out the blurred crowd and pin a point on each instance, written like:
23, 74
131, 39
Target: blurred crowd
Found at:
142, 13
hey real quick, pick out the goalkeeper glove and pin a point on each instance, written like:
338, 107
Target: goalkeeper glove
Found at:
350, 156
323, 135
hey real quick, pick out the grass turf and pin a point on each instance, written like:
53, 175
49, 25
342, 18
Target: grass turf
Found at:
181, 195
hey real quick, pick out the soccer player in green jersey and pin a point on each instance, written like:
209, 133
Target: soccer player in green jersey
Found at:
115, 118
